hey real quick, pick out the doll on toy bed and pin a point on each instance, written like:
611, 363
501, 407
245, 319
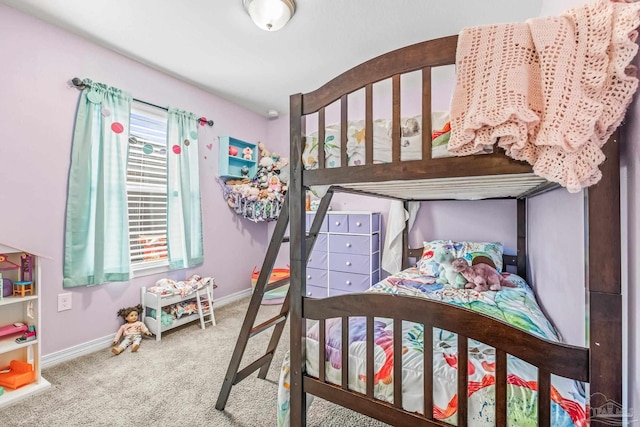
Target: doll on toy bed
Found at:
132, 330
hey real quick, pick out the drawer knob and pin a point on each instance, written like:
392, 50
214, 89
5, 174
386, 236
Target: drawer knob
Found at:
309, 276
358, 224
337, 222
348, 245
308, 294
348, 263
348, 282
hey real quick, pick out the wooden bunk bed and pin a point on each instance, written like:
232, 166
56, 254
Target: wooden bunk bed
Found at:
599, 365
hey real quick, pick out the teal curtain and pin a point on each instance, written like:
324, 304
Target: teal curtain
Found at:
97, 233
184, 217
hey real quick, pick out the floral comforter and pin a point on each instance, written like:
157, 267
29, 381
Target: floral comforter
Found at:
516, 306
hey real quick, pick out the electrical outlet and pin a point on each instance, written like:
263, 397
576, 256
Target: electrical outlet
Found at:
64, 302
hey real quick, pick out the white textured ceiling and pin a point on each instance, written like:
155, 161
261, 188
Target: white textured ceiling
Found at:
214, 45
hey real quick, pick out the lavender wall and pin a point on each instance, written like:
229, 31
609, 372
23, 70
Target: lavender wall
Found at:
556, 262
36, 119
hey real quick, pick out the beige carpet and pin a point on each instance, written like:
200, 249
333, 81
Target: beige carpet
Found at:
173, 382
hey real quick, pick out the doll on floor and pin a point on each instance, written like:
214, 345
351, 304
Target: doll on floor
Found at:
132, 330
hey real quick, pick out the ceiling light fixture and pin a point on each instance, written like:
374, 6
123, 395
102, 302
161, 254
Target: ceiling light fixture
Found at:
270, 15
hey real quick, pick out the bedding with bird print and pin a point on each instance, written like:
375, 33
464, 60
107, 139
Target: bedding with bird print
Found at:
516, 306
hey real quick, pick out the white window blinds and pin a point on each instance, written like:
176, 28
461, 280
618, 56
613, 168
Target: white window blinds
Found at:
147, 187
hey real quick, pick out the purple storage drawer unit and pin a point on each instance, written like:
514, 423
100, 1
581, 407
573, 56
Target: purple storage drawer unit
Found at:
7, 287
351, 282
375, 263
335, 292
359, 223
316, 292
350, 263
364, 223
321, 243
375, 277
317, 277
338, 223
309, 219
346, 254
349, 244
318, 260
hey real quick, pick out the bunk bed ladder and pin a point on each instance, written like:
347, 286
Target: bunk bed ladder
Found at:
234, 374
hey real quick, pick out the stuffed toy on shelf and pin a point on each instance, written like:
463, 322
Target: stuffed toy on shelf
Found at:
132, 330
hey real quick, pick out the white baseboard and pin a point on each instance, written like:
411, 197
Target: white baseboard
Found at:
219, 302
102, 343
70, 353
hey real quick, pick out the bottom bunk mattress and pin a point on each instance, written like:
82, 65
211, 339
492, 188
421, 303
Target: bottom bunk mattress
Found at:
516, 306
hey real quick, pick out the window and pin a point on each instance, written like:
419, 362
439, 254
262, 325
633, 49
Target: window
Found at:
127, 192
147, 187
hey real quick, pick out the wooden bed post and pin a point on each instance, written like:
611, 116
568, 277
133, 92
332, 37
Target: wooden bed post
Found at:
602, 211
522, 238
297, 288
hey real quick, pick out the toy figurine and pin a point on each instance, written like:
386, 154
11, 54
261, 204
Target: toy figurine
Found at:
132, 330
28, 335
248, 153
274, 183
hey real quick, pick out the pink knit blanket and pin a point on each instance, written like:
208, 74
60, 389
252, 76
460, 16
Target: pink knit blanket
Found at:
549, 91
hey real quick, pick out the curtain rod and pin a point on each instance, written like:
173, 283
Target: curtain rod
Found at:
77, 83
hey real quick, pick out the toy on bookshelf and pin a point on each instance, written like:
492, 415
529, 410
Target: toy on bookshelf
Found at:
26, 267
13, 328
17, 374
6, 265
24, 286
20, 287
29, 335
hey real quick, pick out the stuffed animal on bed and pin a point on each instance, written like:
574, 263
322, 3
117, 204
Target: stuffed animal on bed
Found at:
480, 277
447, 275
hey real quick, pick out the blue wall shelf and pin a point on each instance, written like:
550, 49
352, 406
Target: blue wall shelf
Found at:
230, 166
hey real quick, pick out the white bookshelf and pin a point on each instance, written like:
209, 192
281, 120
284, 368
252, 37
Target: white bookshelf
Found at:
26, 310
